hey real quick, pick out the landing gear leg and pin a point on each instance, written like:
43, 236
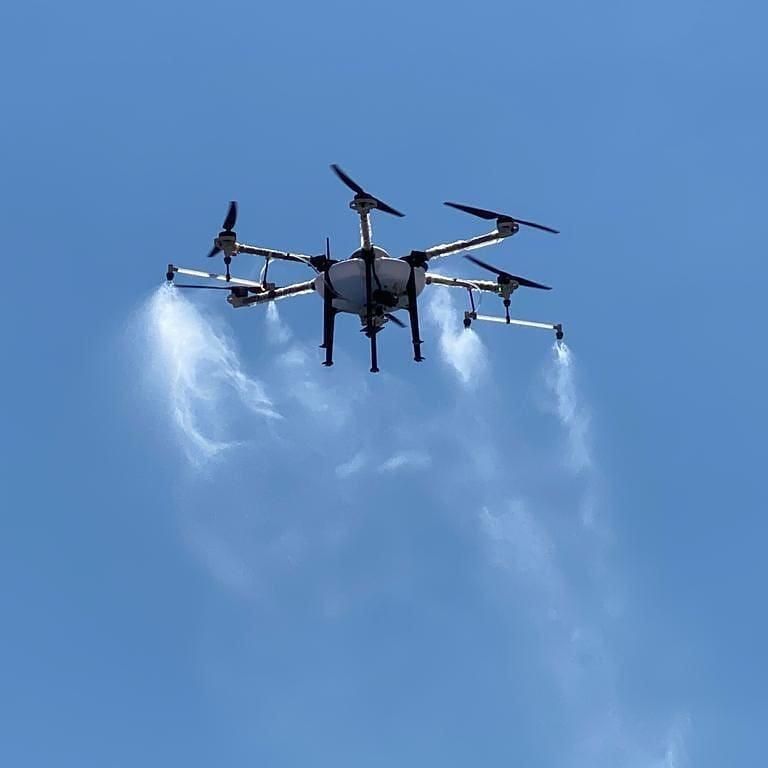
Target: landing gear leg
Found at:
413, 312
329, 313
369, 327
329, 321
374, 353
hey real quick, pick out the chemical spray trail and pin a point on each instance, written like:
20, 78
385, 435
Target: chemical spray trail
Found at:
555, 553
461, 349
258, 431
195, 366
278, 332
556, 572
571, 412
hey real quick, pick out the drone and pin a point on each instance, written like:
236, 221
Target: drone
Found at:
370, 283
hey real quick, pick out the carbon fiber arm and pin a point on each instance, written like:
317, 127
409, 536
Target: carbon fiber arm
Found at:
462, 282
269, 253
275, 294
481, 241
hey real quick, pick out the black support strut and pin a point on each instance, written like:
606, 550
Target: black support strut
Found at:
329, 321
413, 313
324, 264
370, 330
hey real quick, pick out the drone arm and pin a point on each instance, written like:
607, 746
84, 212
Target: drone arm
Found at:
446, 249
365, 228
275, 294
458, 282
269, 253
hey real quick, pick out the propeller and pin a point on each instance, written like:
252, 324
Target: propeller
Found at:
502, 217
505, 278
226, 228
395, 320
226, 239
361, 193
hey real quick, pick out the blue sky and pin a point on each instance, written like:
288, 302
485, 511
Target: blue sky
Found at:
216, 552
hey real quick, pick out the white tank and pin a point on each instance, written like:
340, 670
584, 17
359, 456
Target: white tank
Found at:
348, 280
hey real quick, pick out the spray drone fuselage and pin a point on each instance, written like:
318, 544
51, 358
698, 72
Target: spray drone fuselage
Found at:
347, 283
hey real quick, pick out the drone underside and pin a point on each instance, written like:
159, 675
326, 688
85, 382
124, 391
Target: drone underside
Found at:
346, 282
370, 283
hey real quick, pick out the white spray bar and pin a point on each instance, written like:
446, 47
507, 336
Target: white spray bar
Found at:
527, 323
556, 327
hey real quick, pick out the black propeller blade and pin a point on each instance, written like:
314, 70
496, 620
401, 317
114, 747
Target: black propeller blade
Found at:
231, 220
490, 215
395, 320
360, 192
350, 182
227, 227
506, 277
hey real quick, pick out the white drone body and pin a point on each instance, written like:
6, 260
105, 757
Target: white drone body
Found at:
348, 280
370, 283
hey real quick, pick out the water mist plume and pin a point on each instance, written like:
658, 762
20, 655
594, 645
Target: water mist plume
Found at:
572, 414
460, 348
196, 366
278, 333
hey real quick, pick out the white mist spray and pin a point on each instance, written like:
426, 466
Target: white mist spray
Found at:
571, 412
194, 364
278, 333
462, 349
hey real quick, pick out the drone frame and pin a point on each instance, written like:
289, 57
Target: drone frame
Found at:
243, 292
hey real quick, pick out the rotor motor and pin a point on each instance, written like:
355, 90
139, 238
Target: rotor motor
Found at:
507, 227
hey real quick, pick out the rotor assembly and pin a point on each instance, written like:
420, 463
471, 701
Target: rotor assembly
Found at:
226, 240
370, 283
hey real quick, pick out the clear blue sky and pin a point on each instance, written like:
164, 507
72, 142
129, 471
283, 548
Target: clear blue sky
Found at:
408, 569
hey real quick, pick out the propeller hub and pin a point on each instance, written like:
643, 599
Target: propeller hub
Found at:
507, 280
363, 204
507, 227
226, 241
